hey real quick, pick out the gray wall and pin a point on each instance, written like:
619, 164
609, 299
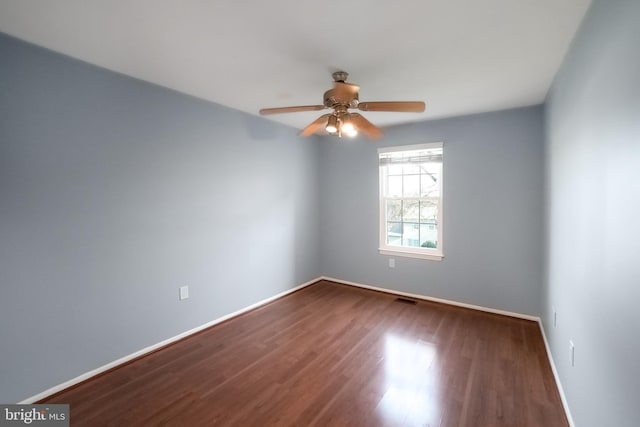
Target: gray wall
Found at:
593, 159
115, 192
493, 211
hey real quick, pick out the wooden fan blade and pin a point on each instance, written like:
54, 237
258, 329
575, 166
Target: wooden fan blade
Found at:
396, 106
365, 126
345, 91
279, 110
317, 125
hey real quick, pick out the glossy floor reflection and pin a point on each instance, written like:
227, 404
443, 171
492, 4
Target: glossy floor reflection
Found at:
334, 355
411, 383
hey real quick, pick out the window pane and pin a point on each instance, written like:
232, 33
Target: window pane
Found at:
394, 210
432, 168
411, 186
411, 169
428, 186
411, 234
411, 190
394, 184
394, 169
410, 211
394, 233
428, 212
428, 236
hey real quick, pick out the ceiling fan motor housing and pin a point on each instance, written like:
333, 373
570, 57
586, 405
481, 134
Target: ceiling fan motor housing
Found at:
340, 99
332, 100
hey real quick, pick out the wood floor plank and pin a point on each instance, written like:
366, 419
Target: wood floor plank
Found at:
332, 355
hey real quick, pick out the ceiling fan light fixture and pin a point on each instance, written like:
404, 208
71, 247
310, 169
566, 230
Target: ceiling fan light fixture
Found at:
351, 133
347, 127
340, 122
332, 124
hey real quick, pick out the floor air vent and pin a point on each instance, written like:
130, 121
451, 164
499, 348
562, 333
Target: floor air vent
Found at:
406, 301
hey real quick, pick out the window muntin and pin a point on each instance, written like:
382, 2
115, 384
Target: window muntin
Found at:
411, 200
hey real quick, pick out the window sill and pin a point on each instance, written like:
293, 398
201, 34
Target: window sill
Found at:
404, 253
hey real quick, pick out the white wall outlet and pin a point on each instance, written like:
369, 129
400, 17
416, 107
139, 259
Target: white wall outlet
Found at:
392, 262
555, 317
572, 353
184, 292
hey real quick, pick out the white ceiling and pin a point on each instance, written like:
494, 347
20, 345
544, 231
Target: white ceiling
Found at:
460, 56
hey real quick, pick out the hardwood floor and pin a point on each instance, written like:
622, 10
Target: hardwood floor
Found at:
334, 355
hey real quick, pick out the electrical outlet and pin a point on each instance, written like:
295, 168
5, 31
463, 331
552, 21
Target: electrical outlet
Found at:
555, 318
392, 263
184, 292
572, 353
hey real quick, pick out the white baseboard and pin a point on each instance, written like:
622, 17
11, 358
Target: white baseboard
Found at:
563, 398
440, 300
149, 349
480, 308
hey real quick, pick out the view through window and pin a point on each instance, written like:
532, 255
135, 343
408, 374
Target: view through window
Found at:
411, 200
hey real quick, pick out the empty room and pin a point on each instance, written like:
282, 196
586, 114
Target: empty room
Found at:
347, 213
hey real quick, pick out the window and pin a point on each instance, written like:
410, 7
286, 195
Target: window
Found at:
411, 201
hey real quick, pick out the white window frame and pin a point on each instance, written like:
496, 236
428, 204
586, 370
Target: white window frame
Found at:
435, 254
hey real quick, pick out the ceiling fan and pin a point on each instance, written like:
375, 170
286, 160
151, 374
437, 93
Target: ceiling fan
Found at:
341, 122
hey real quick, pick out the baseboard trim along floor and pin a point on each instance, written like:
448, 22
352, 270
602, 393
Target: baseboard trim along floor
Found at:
155, 347
563, 398
433, 299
